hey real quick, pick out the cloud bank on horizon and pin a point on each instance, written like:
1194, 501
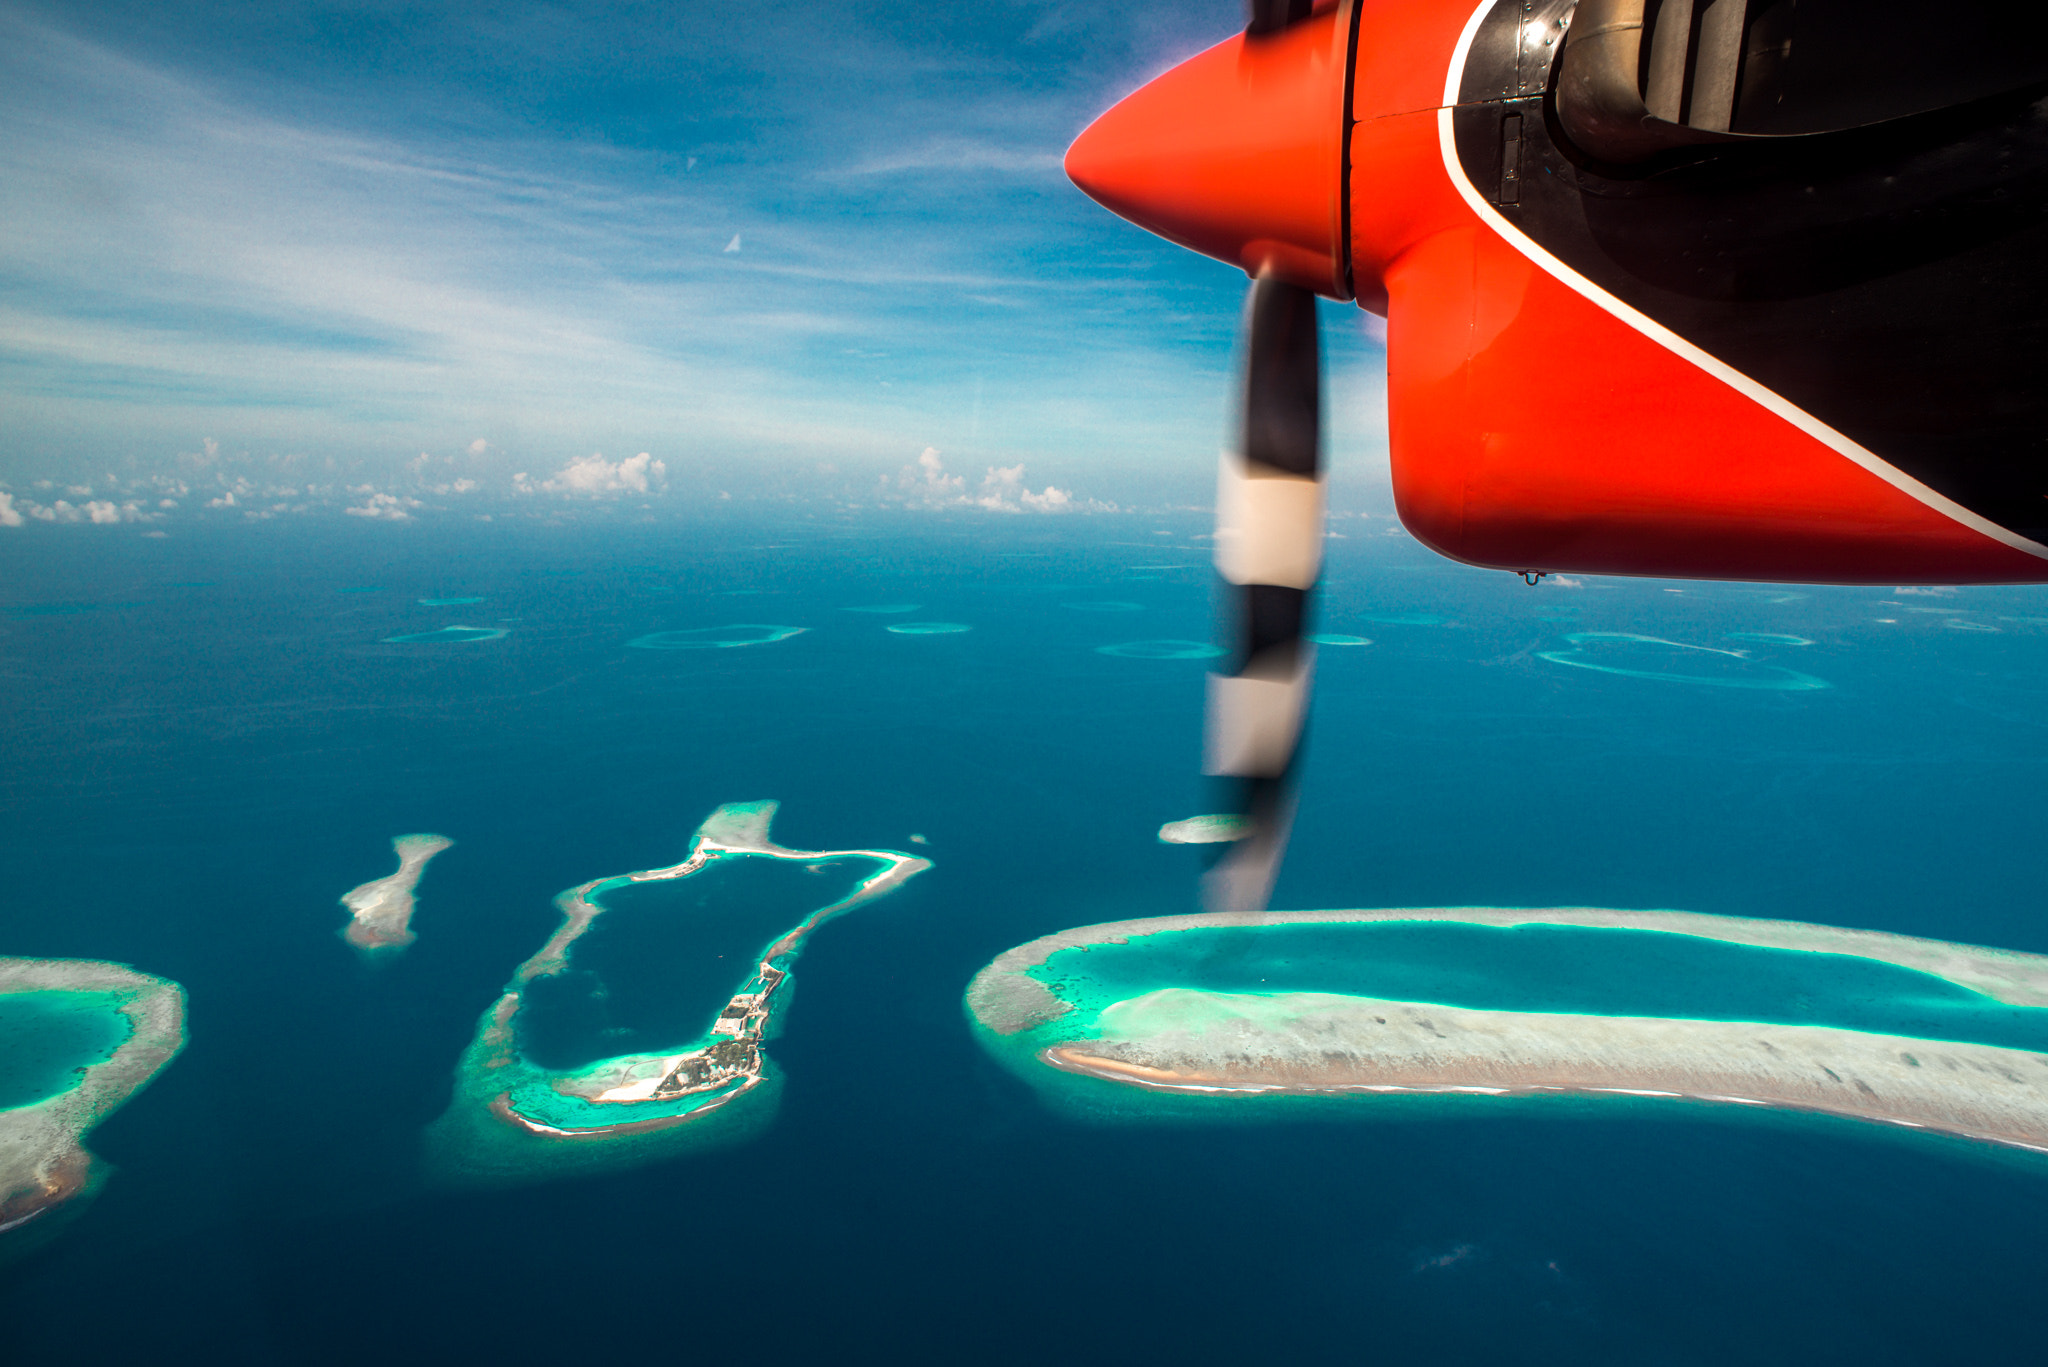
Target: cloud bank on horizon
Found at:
279, 259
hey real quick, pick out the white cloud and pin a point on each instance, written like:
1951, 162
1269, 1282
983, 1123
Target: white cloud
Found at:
594, 475
387, 507
9, 517
479, 446
733, 245
1002, 490
100, 510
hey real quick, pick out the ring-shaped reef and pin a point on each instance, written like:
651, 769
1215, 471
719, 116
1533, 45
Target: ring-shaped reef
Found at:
1199, 1016
78, 1038
1338, 638
1606, 652
1162, 650
1768, 638
716, 638
447, 636
928, 628
542, 1090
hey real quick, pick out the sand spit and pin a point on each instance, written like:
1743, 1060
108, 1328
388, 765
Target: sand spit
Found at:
381, 910
1185, 1040
43, 1159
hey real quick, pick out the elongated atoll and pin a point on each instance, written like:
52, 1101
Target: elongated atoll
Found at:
44, 1163
716, 638
448, 636
1214, 828
380, 911
515, 1119
1924, 1034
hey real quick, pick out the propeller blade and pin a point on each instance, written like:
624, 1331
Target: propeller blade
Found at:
1270, 16
1269, 550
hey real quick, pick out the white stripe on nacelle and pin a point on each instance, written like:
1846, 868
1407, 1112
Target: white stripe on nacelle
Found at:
1254, 722
1269, 528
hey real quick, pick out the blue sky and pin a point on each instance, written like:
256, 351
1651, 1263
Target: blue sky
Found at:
394, 257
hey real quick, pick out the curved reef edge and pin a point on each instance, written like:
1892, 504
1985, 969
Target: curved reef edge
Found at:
43, 1159
512, 1120
1196, 1042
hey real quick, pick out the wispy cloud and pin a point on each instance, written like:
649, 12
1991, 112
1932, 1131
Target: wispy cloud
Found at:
736, 245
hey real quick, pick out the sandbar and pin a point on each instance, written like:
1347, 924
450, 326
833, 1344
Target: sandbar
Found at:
43, 1159
380, 911
1188, 1039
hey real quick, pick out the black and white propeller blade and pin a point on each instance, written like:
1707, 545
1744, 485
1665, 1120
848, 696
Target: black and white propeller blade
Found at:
1269, 551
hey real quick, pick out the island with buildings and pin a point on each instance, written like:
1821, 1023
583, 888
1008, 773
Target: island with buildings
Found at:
514, 1119
44, 1165
1219, 1009
380, 911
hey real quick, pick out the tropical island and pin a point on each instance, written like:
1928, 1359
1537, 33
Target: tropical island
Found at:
512, 1115
116, 1029
1921, 1034
380, 911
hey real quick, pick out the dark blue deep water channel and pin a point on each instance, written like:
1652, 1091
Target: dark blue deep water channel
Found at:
208, 741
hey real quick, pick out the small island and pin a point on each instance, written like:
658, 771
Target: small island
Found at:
1920, 1034
380, 911
1211, 829
514, 1119
44, 1164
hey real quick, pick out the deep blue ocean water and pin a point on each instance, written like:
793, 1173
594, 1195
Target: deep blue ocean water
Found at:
207, 742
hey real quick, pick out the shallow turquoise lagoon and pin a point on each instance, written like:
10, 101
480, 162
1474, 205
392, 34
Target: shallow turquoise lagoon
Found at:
48, 1038
1570, 969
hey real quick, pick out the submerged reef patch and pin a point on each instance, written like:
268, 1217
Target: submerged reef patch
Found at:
1920, 1034
446, 602
1110, 606
715, 638
447, 636
1338, 638
1162, 650
516, 1118
929, 628
1652, 657
44, 1164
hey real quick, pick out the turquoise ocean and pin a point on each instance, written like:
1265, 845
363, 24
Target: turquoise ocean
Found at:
210, 737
